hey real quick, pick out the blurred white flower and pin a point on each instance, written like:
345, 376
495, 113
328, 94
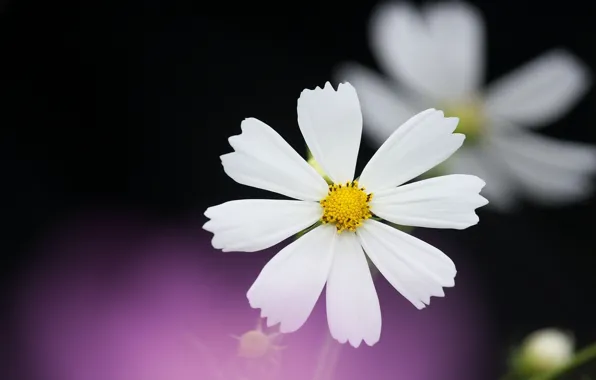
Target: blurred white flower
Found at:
438, 56
545, 350
257, 343
344, 216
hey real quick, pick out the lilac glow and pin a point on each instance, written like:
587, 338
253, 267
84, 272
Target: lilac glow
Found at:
116, 298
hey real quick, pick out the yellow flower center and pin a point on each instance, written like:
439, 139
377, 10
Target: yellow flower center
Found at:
471, 119
253, 344
346, 206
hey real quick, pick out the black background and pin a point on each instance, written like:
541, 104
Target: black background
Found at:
130, 104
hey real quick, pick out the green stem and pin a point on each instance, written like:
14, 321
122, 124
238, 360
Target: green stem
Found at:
508, 376
308, 229
582, 357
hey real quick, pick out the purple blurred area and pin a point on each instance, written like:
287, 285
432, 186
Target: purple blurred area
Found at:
116, 297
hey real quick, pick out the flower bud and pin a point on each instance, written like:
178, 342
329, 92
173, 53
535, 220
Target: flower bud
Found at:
545, 350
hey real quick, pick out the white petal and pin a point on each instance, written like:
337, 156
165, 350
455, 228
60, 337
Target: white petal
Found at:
482, 161
253, 224
331, 123
441, 202
439, 54
415, 269
290, 284
383, 109
539, 92
263, 159
458, 30
420, 144
548, 170
353, 310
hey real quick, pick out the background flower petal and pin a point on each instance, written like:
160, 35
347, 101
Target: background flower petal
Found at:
549, 170
539, 92
383, 108
483, 162
437, 53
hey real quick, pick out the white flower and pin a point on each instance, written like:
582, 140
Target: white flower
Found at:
343, 214
257, 343
437, 54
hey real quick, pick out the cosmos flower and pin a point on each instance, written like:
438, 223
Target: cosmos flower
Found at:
343, 218
437, 55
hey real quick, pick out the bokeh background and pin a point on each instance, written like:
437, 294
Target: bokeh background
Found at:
112, 122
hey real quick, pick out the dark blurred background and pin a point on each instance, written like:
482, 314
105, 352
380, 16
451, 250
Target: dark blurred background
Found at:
129, 105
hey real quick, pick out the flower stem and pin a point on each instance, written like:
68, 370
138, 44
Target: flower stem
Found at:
508, 376
328, 358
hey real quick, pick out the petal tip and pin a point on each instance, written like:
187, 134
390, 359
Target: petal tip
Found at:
480, 181
248, 120
208, 226
224, 157
460, 8
390, 12
371, 341
355, 342
345, 85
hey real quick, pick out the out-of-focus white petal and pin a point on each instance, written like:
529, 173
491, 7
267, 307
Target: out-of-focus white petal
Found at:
482, 161
441, 202
331, 123
253, 224
438, 53
415, 269
353, 310
383, 109
539, 92
263, 159
458, 31
289, 285
546, 169
421, 143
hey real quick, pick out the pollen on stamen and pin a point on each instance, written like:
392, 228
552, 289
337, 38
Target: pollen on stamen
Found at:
346, 206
